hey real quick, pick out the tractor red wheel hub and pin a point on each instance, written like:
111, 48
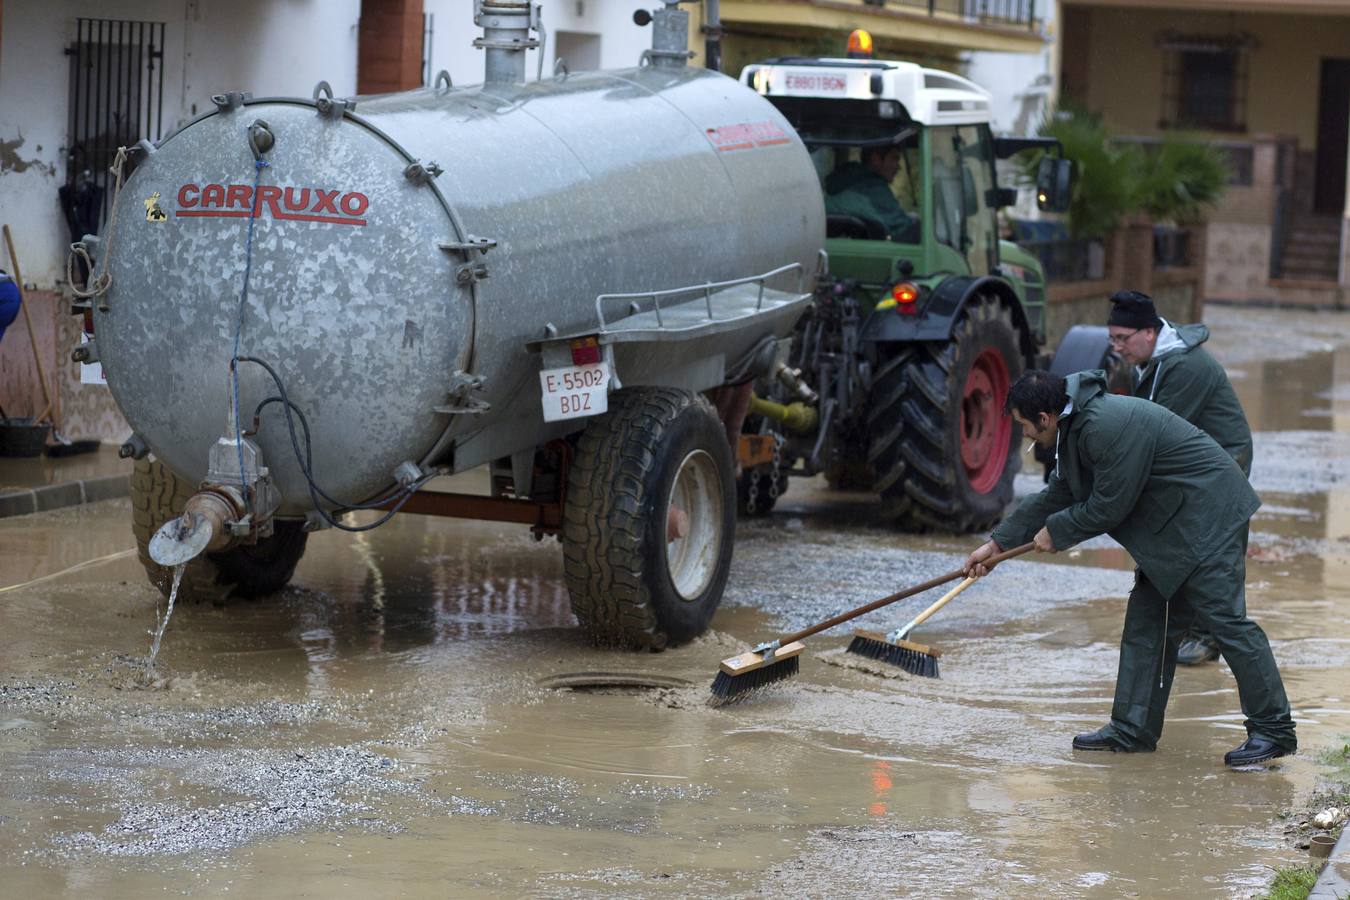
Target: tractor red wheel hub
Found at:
985, 429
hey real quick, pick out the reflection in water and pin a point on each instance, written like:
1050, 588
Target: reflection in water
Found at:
427, 581
881, 786
1291, 394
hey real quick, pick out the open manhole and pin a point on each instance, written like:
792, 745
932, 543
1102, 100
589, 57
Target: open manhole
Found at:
611, 682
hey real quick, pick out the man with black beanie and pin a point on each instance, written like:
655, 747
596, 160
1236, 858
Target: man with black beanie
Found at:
1170, 368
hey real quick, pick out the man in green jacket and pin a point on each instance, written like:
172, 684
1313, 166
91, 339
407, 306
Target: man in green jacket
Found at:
1172, 369
1180, 505
863, 189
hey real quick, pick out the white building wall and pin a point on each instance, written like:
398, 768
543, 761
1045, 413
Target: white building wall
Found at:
621, 41
210, 46
1023, 84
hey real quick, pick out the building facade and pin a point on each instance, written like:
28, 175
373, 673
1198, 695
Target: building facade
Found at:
1268, 81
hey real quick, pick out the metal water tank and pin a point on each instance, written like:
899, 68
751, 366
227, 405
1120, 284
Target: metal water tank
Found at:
413, 245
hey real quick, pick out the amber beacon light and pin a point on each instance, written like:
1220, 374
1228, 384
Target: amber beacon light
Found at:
859, 44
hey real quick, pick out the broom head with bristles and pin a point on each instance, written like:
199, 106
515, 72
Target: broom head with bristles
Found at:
750, 671
917, 659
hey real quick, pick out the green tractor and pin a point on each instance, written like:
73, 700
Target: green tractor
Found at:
896, 380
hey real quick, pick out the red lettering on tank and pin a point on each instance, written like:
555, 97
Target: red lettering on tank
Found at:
354, 203
291, 204
269, 195
297, 199
324, 203
746, 136
240, 195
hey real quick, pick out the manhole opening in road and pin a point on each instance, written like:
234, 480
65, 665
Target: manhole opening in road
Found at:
611, 682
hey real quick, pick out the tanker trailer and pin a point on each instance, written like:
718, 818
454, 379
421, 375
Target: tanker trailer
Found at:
308, 307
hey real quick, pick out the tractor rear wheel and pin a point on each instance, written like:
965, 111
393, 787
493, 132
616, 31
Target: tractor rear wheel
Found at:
649, 519
158, 495
943, 450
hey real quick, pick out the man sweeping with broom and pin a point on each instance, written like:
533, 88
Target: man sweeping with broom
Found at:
1180, 505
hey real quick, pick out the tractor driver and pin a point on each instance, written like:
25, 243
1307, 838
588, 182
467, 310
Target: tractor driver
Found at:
863, 189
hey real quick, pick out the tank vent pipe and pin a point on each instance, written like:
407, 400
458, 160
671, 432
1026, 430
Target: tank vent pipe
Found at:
506, 28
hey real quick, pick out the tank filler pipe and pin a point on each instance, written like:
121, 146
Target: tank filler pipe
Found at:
506, 28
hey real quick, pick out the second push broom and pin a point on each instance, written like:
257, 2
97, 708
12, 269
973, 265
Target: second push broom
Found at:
777, 660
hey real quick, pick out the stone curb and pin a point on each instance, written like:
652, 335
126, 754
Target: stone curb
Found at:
1334, 882
69, 493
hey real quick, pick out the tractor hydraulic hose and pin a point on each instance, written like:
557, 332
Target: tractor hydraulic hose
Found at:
797, 418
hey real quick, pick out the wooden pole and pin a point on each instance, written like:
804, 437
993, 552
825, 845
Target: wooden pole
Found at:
32, 338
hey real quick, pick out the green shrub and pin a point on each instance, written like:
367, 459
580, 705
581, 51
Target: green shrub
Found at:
1181, 180
1176, 181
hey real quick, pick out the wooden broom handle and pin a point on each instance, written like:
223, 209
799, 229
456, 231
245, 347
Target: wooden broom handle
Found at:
943, 601
901, 595
32, 338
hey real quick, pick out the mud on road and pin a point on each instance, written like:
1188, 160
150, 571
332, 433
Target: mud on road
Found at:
417, 715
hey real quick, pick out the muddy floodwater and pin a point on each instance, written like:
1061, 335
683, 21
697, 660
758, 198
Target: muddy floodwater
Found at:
418, 716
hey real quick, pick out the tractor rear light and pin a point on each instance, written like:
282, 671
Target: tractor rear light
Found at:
585, 351
906, 297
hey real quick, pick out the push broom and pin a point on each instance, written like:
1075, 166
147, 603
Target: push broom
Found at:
777, 660
918, 659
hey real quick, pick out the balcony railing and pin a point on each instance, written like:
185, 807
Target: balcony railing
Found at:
1069, 259
1018, 13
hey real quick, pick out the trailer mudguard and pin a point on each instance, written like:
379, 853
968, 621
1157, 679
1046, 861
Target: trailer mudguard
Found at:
1084, 347
942, 308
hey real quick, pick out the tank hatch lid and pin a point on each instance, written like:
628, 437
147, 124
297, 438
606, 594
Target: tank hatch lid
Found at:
699, 311
929, 96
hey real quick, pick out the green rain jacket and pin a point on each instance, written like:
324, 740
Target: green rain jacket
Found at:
856, 190
1183, 377
1132, 469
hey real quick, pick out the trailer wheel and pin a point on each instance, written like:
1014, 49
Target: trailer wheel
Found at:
158, 495
943, 449
649, 519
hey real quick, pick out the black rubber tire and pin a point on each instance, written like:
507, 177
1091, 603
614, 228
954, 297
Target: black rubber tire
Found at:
614, 526
850, 470
758, 488
913, 427
158, 495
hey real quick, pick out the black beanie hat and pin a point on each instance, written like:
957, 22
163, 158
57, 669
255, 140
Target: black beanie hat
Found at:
1131, 309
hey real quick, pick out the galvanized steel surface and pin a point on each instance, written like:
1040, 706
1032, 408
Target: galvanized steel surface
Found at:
643, 179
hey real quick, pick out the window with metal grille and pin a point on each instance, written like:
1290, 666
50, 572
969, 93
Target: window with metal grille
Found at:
1205, 82
116, 98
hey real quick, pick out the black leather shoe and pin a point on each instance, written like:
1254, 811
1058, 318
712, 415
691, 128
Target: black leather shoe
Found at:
1253, 750
1097, 740
1196, 651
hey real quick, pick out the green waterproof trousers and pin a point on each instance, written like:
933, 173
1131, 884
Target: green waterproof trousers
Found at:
1212, 598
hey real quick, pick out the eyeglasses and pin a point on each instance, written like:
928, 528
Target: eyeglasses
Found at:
1118, 340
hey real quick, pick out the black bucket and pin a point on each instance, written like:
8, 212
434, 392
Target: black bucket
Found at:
20, 437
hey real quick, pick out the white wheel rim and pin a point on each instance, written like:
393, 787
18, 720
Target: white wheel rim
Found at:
692, 559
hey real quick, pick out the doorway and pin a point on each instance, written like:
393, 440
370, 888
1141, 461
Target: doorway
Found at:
1333, 130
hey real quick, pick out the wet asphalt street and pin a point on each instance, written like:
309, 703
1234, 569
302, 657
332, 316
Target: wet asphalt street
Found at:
404, 719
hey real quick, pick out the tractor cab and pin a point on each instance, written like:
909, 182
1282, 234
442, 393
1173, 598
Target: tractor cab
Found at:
904, 155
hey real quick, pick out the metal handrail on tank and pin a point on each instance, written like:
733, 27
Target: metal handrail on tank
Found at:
706, 289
